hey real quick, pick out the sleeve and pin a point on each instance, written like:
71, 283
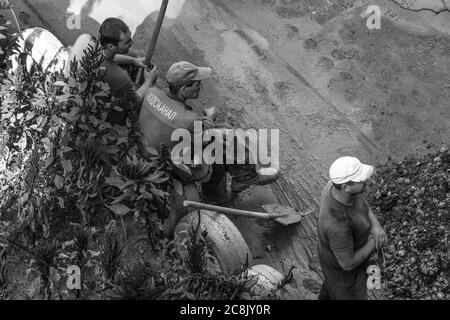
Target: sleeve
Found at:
129, 100
128, 91
340, 238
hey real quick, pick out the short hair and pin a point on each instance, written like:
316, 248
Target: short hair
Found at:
110, 31
337, 186
174, 88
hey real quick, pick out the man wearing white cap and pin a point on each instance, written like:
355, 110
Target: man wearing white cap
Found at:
348, 231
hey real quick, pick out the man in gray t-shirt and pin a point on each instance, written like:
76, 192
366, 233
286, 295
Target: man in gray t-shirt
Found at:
348, 231
115, 38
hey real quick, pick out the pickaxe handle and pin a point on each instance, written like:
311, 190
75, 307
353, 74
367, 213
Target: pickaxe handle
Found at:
245, 213
152, 46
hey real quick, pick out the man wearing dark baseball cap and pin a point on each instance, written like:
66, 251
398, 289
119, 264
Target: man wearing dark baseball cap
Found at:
348, 231
163, 112
183, 72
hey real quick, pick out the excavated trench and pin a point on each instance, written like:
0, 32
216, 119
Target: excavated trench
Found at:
311, 69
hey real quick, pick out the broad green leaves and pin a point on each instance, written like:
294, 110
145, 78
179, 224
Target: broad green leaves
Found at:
59, 181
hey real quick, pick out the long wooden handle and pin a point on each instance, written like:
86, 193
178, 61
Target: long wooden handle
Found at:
251, 214
159, 21
152, 46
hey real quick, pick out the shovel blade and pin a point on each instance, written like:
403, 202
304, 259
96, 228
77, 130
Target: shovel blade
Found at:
290, 215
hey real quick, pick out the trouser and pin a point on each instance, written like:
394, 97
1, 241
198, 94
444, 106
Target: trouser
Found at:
344, 285
217, 186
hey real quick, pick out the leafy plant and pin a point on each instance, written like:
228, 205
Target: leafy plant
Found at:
197, 251
67, 172
3, 270
111, 252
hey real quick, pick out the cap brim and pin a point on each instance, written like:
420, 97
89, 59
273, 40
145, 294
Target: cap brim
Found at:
363, 174
203, 73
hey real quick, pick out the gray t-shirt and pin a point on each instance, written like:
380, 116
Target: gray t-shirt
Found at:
341, 228
122, 88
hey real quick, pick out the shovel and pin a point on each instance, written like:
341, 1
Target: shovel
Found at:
151, 47
281, 214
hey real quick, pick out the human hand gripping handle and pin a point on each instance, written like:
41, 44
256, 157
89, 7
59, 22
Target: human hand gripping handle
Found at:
379, 235
210, 113
151, 74
139, 62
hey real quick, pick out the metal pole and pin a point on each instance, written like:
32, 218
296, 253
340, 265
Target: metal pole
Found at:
151, 47
6, 5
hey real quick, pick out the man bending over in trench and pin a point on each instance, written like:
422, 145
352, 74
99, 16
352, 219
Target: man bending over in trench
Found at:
163, 112
348, 231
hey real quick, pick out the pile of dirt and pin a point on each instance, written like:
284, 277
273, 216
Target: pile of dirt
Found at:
412, 200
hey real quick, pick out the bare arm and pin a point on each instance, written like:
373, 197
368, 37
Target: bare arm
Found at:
123, 59
373, 220
143, 89
150, 80
340, 238
376, 231
349, 260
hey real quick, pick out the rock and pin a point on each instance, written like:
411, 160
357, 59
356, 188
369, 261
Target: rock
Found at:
398, 291
388, 275
391, 249
310, 44
312, 285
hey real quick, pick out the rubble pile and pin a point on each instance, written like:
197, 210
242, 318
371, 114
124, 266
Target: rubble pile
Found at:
412, 202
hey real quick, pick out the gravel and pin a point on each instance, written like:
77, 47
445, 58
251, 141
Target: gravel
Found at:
411, 199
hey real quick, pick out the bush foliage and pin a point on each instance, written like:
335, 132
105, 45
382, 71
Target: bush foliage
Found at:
69, 179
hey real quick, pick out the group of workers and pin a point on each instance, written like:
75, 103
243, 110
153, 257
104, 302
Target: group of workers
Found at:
348, 231
163, 111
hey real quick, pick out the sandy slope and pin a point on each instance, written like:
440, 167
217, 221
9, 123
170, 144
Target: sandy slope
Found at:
314, 71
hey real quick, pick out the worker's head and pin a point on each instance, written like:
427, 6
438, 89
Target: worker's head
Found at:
115, 36
184, 79
348, 174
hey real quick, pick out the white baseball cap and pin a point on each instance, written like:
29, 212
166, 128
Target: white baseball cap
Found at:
347, 169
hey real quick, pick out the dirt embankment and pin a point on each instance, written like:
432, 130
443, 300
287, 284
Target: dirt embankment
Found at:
313, 70
332, 86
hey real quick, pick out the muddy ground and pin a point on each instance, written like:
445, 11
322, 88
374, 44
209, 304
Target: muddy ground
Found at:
313, 70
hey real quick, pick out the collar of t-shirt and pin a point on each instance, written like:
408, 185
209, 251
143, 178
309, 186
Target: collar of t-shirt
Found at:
337, 202
174, 97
